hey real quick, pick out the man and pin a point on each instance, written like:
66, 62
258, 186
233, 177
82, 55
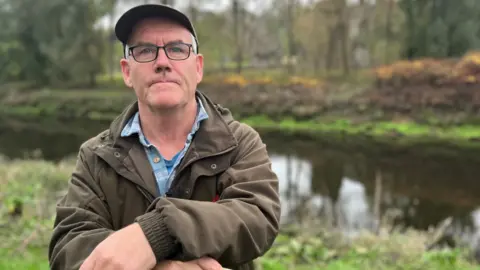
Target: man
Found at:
175, 182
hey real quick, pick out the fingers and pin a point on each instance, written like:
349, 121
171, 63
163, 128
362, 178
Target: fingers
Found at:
207, 263
169, 265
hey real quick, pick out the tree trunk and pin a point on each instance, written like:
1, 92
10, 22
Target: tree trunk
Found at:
111, 44
388, 29
332, 48
291, 37
343, 26
236, 31
193, 11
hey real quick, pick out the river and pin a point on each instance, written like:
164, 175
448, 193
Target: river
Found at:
350, 188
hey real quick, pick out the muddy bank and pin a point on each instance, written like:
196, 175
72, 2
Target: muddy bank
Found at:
301, 106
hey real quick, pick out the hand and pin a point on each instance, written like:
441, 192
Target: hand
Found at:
205, 263
127, 248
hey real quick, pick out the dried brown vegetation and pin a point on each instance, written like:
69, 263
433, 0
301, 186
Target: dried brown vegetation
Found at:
449, 84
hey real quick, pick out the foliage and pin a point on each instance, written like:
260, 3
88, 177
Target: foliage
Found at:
83, 103
29, 191
51, 42
329, 250
440, 28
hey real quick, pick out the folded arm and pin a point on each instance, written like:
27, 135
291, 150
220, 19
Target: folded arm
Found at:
238, 228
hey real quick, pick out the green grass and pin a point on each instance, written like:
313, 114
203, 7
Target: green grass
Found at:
31, 259
32, 184
400, 132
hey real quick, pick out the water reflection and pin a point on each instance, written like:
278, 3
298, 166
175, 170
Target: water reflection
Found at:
354, 191
351, 189
345, 200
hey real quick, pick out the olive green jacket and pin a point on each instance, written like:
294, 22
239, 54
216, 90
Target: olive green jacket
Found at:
113, 186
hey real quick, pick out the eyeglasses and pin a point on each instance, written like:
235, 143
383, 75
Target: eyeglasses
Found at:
147, 53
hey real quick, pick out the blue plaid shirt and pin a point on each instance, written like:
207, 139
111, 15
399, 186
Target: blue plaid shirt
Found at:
163, 168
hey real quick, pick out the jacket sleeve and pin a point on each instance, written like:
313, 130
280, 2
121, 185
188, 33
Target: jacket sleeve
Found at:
81, 221
236, 229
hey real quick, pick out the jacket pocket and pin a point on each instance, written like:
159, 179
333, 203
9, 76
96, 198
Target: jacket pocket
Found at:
205, 188
200, 180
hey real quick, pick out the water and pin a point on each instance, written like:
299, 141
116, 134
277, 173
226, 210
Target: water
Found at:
350, 188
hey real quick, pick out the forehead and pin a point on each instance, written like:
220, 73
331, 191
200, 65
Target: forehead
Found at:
158, 30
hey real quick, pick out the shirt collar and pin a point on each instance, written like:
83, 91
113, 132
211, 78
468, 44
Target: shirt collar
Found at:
133, 125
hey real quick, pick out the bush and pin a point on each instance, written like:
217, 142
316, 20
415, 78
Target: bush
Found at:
428, 71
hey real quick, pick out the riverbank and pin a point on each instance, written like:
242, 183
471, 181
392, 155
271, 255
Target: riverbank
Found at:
295, 109
32, 187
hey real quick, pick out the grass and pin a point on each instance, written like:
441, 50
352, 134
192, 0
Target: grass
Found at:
367, 251
27, 200
33, 186
31, 259
399, 133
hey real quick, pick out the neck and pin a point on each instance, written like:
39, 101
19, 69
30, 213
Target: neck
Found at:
167, 126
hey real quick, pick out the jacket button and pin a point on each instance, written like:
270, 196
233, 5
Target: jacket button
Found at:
213, 166
187, 191
116, 154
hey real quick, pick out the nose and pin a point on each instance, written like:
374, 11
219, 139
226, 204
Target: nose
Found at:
162, 63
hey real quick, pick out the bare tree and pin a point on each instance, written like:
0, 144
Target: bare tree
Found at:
338, 36
291, 37
388, 28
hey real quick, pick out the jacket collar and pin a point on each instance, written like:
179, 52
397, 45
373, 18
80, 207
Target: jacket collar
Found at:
127, 157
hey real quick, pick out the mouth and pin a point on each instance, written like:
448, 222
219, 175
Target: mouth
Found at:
163, 82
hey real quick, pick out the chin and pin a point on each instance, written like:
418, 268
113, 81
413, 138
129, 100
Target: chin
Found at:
165, 103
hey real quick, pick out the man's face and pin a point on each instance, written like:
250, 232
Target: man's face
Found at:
162, 84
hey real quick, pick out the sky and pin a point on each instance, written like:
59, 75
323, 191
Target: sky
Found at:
212, 5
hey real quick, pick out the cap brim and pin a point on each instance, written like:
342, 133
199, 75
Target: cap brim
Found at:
129, 19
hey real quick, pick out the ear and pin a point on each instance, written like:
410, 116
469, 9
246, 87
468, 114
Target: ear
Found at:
126, 72
199, 61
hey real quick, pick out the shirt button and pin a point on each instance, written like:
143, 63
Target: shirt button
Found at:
156, 159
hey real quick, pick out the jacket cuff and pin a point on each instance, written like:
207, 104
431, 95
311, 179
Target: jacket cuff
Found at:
163, 245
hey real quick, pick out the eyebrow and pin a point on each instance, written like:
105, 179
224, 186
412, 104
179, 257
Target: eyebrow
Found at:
142, 43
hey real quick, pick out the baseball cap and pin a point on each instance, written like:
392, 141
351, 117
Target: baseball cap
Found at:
131, 17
